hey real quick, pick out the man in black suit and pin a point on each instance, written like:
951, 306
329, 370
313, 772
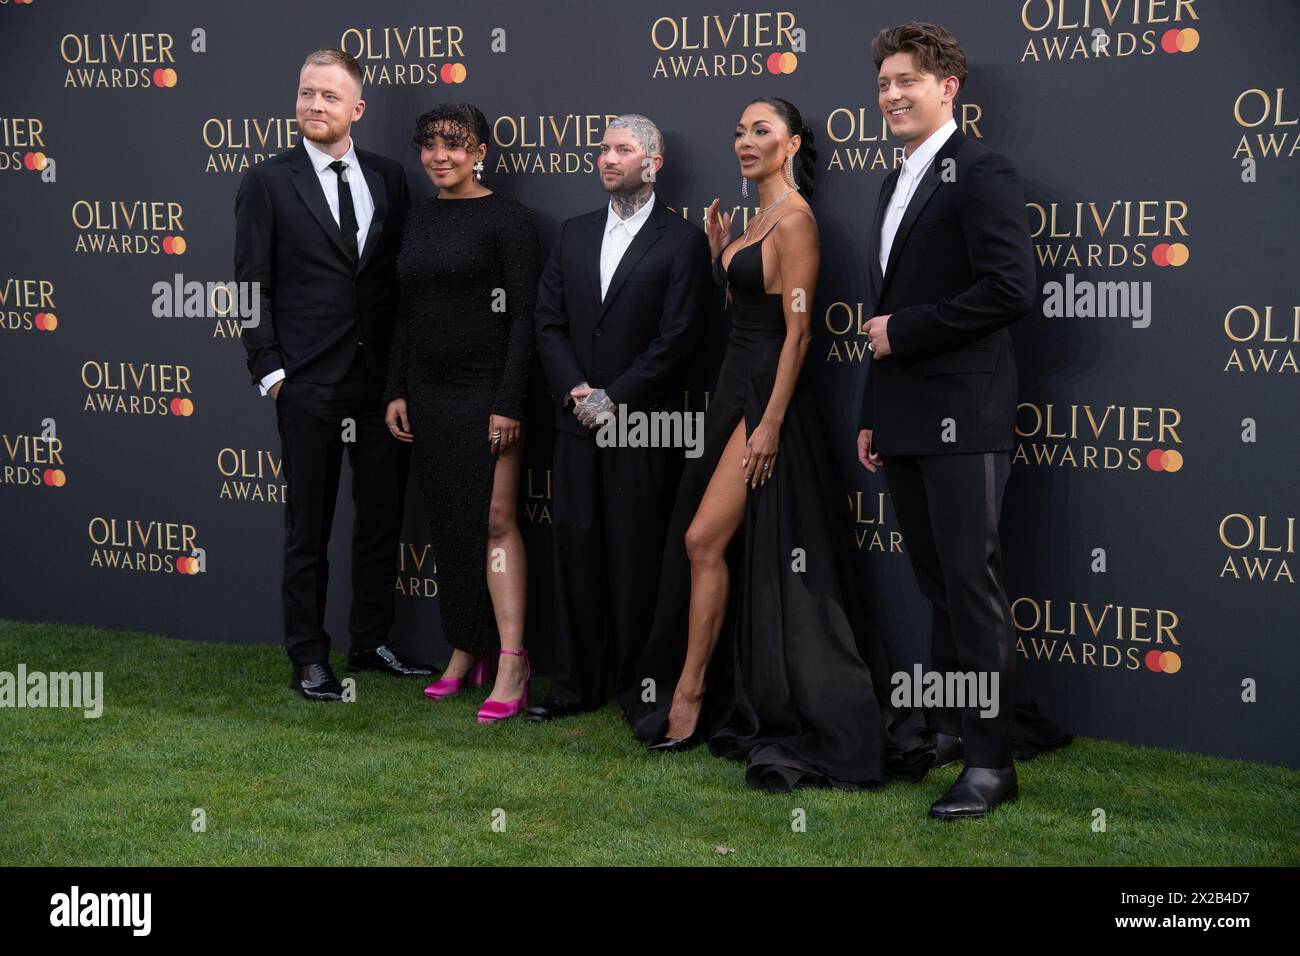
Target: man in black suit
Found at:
318, 227
620, 308
951, 266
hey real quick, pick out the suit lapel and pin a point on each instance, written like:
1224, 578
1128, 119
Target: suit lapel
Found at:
595, 232
646, 237
307, 183
875, 277
930, 181
379, 196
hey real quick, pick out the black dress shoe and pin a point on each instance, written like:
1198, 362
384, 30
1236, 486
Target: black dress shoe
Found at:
977, 791
947, 750
316, 682
383, 659
553, 708
676, 745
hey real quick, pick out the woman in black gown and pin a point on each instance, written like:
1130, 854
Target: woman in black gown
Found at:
760, 568
467, 277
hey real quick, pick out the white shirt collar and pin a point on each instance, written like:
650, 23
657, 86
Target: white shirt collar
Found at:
321, 160
634, 221
916, 164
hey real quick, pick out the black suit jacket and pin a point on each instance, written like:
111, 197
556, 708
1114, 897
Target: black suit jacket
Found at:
637, 343
960, 270
316, 300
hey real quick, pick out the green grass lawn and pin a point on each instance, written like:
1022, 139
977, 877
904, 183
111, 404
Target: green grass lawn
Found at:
395, 779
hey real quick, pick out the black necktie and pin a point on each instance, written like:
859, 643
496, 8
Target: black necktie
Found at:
347, 212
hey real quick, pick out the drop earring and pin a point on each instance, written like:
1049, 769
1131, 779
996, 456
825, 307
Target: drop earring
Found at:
789, 171
744, 187
478, 170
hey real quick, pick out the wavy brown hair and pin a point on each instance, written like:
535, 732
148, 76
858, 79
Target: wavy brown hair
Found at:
934, 49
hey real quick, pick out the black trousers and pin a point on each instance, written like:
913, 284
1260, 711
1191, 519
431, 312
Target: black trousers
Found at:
610, 514
948, 509
311, 420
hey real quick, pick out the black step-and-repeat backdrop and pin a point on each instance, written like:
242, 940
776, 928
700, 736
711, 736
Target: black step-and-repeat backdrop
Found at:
1150, 532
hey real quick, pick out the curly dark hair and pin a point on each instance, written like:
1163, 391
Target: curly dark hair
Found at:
805, 161
461, 125
934, 49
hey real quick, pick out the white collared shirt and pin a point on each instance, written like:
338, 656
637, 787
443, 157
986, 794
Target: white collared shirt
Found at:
909, 176
619, 234
363, 204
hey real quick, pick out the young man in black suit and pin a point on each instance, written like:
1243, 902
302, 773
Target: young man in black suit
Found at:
950, 267
620, 307
318, 227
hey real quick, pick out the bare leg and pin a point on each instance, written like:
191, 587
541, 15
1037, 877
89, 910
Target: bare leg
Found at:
719, 515
507, 574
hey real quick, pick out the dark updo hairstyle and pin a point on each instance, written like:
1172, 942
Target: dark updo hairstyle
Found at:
805, 161
459, 124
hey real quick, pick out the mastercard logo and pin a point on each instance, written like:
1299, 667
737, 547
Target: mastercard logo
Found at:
165, 78
1170, 254
19, 3
46, 321
182, 407
1163, 662
54, 477
186, 565
1160, 460
173, 245
452, 73
1180, 41
34, 161
782, 63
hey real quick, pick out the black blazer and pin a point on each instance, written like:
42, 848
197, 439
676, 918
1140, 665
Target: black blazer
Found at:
960, 270
637, 343
316, 300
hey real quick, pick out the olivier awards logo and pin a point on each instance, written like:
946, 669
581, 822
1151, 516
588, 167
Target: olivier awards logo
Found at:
1070, 30
137, 388
537, 496
1260, 547
550, 144
1105, 438
22, 147
871, 529
407, 56
1261, 341
251, 474
131, 61
1081, 634
861, 137
234, 144
735, 44
417, 572
35, 461
1110, 234
138, 227
1271, 134
132, 544
27, 305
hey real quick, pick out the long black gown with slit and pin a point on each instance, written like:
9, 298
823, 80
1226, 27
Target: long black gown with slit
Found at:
797, 686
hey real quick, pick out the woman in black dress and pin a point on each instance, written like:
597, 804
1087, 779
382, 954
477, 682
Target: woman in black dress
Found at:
467, 276
759, 559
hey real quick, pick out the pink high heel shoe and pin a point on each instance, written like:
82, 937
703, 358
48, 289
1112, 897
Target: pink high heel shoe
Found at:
478, 675
495, 710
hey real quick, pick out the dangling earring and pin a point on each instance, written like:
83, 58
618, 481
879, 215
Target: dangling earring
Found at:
744, 187
478, 170
789, 171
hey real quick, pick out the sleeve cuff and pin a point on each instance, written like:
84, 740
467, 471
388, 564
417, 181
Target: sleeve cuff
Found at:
264, 386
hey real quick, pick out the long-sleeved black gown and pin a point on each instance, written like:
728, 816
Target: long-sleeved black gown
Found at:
467, 279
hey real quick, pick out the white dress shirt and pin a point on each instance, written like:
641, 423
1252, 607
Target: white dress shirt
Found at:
362, 203
619, 234
909, 176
